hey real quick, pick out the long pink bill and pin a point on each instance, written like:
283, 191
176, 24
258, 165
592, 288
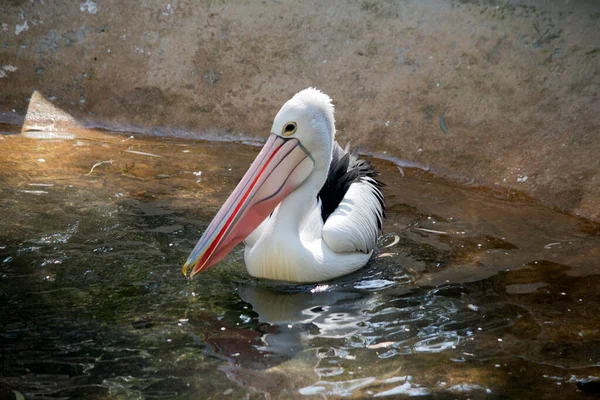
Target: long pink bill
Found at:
282, 165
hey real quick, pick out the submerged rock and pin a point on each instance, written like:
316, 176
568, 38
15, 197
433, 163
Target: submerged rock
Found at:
589, 385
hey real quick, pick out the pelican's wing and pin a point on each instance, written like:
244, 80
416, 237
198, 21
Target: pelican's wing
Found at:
352, 205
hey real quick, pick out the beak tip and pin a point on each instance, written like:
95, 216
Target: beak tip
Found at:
189, 265
185, 268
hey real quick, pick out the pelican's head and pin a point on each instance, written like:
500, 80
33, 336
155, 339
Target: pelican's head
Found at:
308, 117
301, 141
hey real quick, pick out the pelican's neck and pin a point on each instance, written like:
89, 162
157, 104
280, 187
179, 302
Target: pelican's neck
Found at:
294, 208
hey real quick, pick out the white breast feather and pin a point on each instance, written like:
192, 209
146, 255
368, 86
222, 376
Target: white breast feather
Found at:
312, 226
353, 224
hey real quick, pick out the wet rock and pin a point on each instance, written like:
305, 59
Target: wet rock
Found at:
590, 386
166, 387
11, 395
142, 324
54, 368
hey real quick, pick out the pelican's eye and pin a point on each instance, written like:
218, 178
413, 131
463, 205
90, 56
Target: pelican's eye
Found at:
289, 129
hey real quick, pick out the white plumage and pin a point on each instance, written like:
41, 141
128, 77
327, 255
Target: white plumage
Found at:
352, 225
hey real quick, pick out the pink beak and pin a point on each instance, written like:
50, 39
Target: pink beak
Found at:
282, 165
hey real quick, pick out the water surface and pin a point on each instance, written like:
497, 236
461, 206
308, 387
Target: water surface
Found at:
472, 294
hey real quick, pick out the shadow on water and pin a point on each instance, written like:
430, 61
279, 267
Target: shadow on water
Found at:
469, 296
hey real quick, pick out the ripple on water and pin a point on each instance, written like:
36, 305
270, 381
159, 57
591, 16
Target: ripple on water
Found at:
375, 284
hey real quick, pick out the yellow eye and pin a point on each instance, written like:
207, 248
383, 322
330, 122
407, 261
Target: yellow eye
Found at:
289, 129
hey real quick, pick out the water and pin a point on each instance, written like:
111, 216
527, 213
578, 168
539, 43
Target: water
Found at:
473, 294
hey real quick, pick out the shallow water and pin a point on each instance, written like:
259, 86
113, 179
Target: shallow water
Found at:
473, 294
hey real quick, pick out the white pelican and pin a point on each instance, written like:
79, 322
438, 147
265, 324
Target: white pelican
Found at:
307, 209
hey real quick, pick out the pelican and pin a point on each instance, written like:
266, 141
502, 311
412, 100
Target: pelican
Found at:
307, 209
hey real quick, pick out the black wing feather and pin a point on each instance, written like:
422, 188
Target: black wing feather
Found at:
345, 169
